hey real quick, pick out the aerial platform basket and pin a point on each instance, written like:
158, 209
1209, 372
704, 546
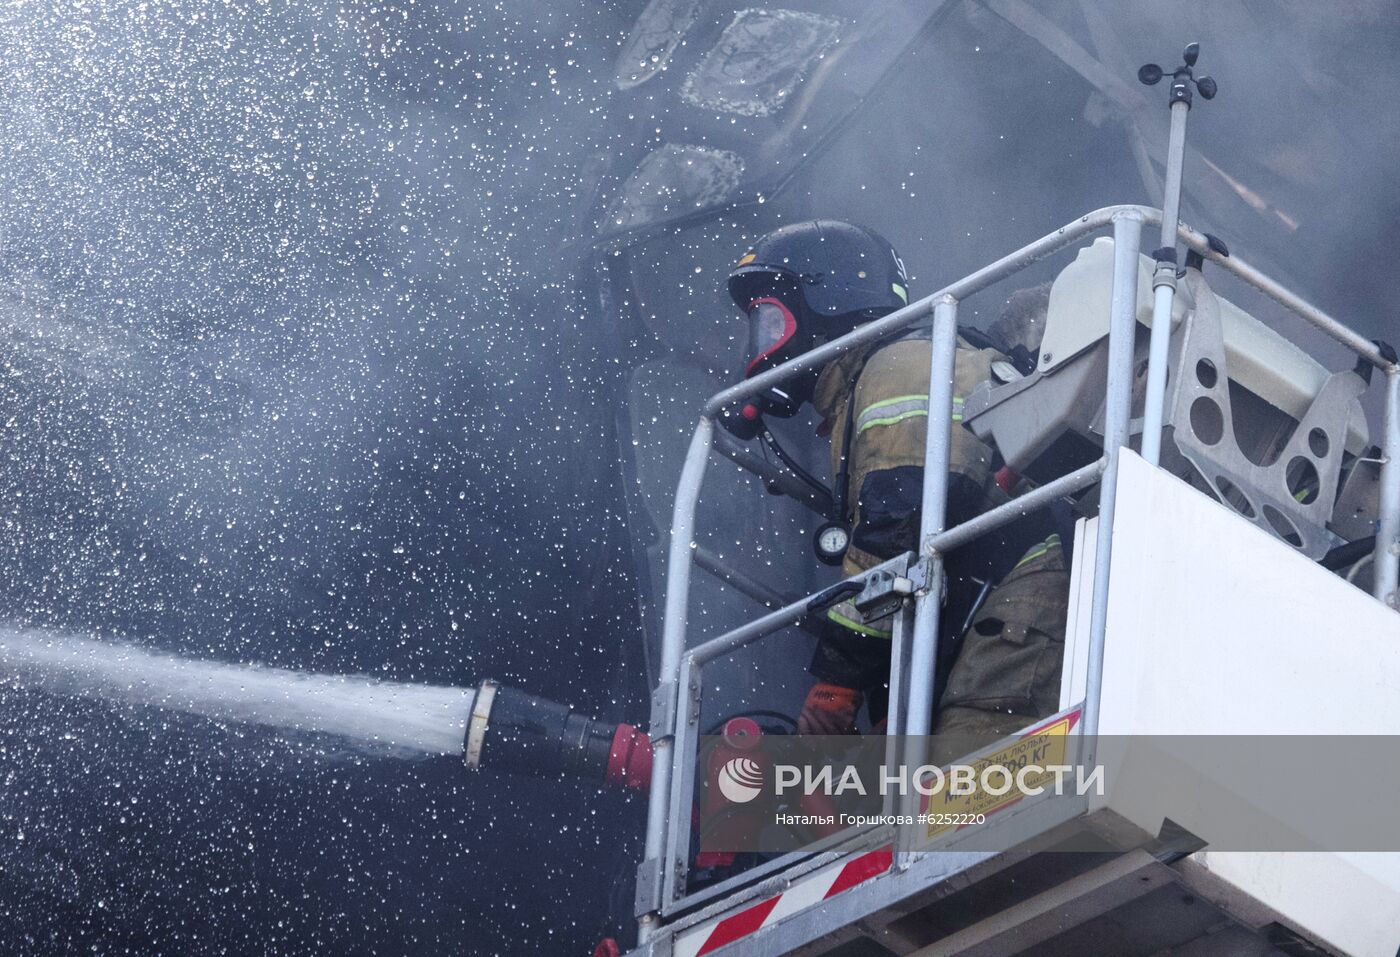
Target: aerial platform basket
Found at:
1187, 614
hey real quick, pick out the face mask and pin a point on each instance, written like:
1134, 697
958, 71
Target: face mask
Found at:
776, 337
771, 327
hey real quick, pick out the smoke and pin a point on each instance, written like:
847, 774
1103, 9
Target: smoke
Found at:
375, 716
988, 137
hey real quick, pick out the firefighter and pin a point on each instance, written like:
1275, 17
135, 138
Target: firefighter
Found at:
1008, 664
811, 282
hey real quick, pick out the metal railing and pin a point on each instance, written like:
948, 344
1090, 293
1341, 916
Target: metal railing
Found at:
662, 874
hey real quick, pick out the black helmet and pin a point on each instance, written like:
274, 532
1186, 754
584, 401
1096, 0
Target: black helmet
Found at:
841, 270
799, 285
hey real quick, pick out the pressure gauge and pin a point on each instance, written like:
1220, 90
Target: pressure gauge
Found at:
831, 542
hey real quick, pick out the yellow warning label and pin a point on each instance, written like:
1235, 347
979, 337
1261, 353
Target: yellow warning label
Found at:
1024, 768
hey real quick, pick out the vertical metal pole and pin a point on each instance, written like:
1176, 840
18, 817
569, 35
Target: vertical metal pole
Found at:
1164, 288
1387, 555
675, 869
900, 636
665, 709
923, 656
901, 639
1127, 235
1176, 163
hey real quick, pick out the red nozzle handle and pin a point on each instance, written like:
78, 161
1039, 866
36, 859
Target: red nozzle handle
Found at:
629, 759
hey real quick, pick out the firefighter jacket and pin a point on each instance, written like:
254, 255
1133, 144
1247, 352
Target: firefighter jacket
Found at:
881, 394
1011, 657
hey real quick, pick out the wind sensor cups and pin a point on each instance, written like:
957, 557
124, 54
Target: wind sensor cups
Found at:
1150, 74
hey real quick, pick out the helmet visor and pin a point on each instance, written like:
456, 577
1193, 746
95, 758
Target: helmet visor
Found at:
771, 326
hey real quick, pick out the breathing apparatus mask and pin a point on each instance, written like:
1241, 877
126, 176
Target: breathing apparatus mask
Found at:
778, 331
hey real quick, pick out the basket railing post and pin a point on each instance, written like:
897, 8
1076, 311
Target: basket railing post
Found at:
664, 705
1387, 554
923, 656
1127, 237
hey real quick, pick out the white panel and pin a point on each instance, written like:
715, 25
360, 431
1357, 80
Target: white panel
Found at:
1355, 905
1215, 627
1081, 598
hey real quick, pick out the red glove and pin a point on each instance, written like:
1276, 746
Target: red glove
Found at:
830, 709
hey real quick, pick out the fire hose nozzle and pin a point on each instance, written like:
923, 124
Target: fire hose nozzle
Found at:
510, 730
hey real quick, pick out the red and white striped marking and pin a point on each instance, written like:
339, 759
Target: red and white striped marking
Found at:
815, 888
